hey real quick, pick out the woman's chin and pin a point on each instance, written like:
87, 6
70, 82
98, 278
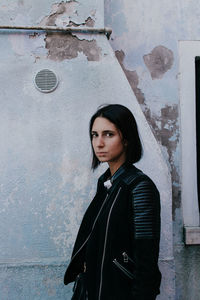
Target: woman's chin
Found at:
102, 159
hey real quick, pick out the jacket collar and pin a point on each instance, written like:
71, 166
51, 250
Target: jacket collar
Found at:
108, 181
119, 172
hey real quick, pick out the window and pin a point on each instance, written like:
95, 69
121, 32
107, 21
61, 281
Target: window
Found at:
189, 52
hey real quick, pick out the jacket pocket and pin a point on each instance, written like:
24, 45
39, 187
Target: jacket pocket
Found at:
125, 265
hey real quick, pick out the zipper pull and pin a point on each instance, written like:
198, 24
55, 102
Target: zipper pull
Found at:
84, 267
125, 257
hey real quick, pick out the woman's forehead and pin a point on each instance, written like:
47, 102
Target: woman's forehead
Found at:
103, 124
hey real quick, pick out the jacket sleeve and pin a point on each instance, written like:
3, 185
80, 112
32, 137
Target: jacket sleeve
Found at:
146, 223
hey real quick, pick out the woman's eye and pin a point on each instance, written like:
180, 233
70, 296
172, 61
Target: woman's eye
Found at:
109, 134
93, 134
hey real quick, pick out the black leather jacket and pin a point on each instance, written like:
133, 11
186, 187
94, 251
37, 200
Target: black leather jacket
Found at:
119, 239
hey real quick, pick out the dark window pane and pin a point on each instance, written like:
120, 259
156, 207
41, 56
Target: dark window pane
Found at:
197, 82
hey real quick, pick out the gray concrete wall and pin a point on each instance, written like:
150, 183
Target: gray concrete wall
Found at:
145, 39
46, 182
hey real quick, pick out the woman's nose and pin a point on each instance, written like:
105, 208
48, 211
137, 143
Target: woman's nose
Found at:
100, 142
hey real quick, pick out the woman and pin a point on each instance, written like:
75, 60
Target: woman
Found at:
117, 246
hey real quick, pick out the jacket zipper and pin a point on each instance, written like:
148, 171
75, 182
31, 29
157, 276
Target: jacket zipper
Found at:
90, 232
105, 242
127, 258
124, 270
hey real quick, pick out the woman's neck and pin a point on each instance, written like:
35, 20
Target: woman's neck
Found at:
114, 167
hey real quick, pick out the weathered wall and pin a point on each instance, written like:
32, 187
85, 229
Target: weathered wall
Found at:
46, 182
145, 40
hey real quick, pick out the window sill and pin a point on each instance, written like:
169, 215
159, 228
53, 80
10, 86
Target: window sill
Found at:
192, 235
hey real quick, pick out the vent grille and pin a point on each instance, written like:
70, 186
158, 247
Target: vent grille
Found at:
46, 81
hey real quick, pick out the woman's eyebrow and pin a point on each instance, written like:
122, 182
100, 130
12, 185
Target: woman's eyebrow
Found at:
109, 130
106, 130
103, 131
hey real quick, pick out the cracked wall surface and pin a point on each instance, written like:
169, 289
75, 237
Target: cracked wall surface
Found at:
51, 12
66, 46
59, 46
67, 14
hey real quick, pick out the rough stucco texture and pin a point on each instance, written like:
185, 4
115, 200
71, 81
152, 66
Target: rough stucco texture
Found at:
33, 283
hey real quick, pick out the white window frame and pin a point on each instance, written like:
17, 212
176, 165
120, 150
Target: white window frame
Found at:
188, 50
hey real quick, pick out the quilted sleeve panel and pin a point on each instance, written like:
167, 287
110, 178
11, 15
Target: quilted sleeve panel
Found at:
146, 210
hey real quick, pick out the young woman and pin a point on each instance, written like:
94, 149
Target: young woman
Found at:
117, 246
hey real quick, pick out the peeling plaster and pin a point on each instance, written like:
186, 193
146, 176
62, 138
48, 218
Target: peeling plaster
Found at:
89, 22
59, 10
159, 61
164, 126
132, 77
67, 46
65, 14
166, 130
170, 139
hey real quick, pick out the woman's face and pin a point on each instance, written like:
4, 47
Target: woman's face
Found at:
107, 142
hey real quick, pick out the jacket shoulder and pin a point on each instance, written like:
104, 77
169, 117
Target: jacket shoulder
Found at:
134, 175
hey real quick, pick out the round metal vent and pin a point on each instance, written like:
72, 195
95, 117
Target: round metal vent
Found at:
46, 81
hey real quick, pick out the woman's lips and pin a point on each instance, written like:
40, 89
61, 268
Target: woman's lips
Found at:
101, 153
